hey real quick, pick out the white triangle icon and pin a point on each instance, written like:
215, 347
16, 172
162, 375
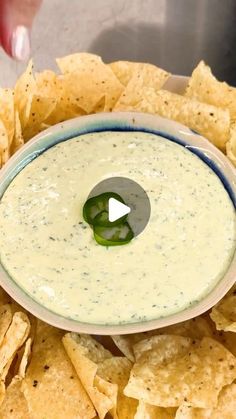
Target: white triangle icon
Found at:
116, 209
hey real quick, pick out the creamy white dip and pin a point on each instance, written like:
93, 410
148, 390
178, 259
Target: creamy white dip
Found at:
49, 250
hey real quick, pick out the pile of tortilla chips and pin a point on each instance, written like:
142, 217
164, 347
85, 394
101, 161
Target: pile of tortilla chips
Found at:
184, 371
85, 85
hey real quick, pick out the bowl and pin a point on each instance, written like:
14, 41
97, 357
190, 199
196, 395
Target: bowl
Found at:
124, 122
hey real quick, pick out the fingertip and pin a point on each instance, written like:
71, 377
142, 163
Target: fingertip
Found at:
20, 43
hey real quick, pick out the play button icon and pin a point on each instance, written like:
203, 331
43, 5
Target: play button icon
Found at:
135, 202
116, 210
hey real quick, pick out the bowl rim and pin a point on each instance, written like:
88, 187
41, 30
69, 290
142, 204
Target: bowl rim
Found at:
124, 121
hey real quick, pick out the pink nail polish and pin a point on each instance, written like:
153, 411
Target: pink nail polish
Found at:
20, 43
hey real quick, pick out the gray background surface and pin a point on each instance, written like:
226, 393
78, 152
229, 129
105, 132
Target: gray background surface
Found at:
174, 34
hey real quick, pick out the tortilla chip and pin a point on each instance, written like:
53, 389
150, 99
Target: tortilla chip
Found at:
85, 354
204, 87
5, 320
14, 404
116, 370
126, 70
24, 90
51, 386
2, 391
14, 338
18, 140
147, 411
4, 144
4, 297
195, 328
225, 409
7, 111
88, 80
228, 339
224, 313
23, 359
209, 121
40, 108
231, 145
172, 370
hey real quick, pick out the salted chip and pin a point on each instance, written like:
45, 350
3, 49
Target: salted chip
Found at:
5, 320
14, 404
13, 339
23, 359
2, 392
224, 313
152, 75
51, 386
24, 90
4, 297
40, 109
67, 106
18, 140
89, 80
231, 145
195, 328
85, 354
4, 144
7, 111
204, 87
173, 370
209, 121
228, 339
116, 370
147, 411
225, 409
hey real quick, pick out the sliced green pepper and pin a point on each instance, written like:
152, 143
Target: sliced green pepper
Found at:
102, 219
98, 204
113, 236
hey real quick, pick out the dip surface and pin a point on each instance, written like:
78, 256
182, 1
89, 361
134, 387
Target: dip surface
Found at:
183, 252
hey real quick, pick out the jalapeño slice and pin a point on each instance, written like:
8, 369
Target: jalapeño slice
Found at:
97, 205
113, 236
102, 219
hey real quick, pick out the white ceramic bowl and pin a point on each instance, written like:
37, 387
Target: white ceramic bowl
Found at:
122, 121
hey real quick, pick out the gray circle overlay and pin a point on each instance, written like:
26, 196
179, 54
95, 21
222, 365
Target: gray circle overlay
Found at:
133, 195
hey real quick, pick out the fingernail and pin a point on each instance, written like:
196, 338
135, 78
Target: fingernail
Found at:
20, 43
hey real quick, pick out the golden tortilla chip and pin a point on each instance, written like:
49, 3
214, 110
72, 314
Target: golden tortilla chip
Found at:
228, 339
23, 358
5, 320
147, 411
67, 106
88, 80
40, 109
13, 339
24, 90
209, 121
4, 144
2, 391
225, 409
7, 111
116, 370
14, 404
18, 140
4, 297
85, 354
224, 313
204, 87
173, 370
231, 145
153, 76
51, 386
195, 328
